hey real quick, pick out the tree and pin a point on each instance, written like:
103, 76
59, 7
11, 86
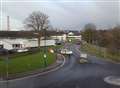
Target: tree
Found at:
103, 38
89, 33
38, 22
114, 45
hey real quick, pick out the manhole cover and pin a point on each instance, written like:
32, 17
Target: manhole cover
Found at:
115, 80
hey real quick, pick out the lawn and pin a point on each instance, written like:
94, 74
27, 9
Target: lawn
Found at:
100, 52
26, 63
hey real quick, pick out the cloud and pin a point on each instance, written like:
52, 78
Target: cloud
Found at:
14, 23
73, 15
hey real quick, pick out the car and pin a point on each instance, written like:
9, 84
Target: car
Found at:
22, 50
82, 61
58, 42
12, 51
83, 58
83, 55
3, 51
78, 42
66, 51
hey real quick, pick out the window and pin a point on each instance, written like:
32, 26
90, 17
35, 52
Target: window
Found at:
16, 46
1, 46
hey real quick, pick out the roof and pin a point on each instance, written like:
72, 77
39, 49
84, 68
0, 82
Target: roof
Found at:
26, 34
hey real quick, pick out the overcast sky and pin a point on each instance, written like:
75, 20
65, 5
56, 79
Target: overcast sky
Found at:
67, 14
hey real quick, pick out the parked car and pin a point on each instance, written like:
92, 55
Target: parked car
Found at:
66, 51
22, 50
83, 55
78, 42
3, 51
83, 58
82, 61
12, 51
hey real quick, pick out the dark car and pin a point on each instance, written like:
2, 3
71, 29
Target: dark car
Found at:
3, 51
78, 42
13, 51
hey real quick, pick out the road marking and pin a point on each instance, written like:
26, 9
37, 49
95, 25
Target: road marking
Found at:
39, 74
114, 80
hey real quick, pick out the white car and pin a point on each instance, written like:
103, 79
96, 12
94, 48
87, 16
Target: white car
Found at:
83, 55
22, 50
82, 61
66, 51
83, 58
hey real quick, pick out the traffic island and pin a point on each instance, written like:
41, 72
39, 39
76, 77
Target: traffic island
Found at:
20, 71
113, 80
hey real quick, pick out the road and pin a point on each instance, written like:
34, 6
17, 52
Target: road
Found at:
72, 74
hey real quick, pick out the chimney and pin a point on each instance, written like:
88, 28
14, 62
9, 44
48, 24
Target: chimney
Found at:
8, 24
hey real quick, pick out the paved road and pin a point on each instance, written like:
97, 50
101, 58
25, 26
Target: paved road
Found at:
72, 74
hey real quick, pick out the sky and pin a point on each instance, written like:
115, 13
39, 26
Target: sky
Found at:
63, 14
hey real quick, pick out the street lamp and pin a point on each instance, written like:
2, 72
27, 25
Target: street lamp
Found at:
44, 55
56, 42
45, 50
7, 73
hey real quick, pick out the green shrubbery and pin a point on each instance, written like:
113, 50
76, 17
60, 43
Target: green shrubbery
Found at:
101, 52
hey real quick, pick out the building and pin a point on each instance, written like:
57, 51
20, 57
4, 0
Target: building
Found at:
25, 39
20, 43
62, 37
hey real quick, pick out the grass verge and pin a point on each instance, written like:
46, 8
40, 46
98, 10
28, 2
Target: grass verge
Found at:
100, 52
25, 63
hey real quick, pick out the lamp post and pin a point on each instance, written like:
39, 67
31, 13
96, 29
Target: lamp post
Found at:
6, 62
45, 50
56, 43
44, 55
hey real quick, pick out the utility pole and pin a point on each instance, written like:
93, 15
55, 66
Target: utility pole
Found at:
6, 67
7, 56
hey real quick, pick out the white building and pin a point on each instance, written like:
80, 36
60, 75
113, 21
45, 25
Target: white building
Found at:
60, 37
79, 37
65, 36
23, 43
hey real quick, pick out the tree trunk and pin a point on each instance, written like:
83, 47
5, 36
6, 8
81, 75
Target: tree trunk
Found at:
39, 37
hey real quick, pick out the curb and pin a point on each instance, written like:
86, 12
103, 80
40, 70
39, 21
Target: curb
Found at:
113, 80
37, 74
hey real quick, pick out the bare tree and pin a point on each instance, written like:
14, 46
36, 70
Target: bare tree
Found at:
38, 22
90, 33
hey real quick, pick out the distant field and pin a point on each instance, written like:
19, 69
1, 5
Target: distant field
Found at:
100, 52
24, 62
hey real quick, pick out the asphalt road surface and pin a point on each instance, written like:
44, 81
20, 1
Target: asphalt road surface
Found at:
72, 74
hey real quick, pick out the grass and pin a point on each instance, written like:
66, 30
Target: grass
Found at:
100, 52
25, 63
73, 40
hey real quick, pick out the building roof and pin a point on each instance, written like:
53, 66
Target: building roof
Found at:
26, 34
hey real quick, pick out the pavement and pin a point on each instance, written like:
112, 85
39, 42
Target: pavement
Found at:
72, 74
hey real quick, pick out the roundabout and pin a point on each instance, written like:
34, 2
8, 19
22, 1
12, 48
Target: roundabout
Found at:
114, 80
